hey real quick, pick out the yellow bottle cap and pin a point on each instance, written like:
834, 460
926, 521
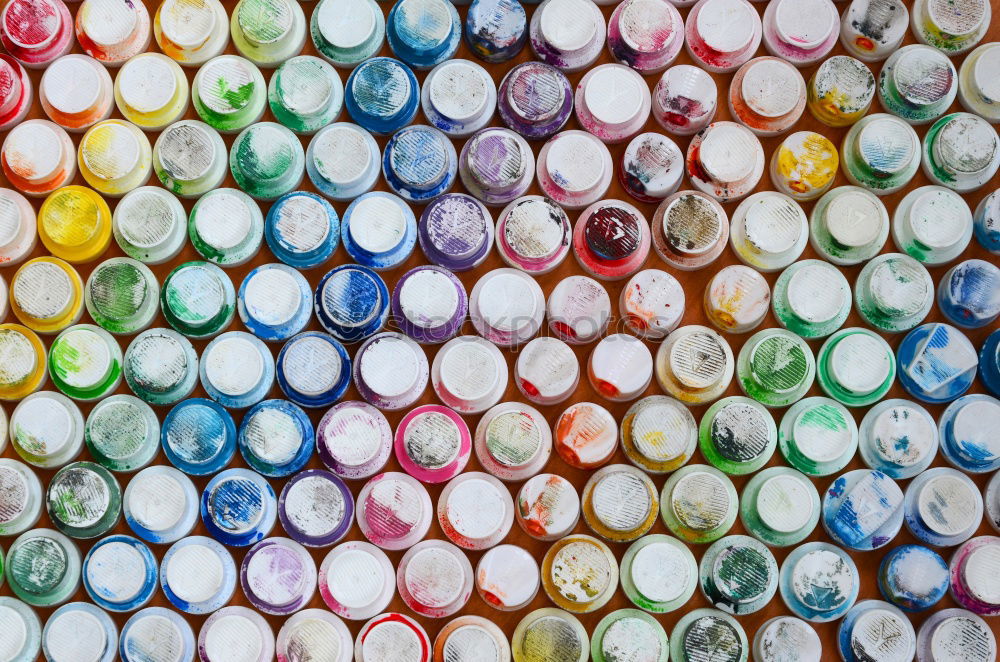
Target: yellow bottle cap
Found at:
74, 224
22, 368
115, 157
46, 295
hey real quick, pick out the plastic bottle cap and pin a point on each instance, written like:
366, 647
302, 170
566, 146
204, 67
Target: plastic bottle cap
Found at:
614, 94
853, 219
773, 225
963, 19
781, 503
568, 25
221, 83
824, 569
700, 501
728, 153
815, 293
860, 363
31, 24
187, 23
575, 161
660, 572
458, 90
771, 88
805, 24
887, 144
37, 278
727, 26
73, 85
34, 151
692, 224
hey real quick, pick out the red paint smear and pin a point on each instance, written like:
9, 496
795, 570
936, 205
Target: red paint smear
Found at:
399, 618
529, 388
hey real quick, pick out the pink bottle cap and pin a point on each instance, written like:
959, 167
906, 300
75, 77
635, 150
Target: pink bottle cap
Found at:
612, 102
469, 374
767, 95
35, 32
506, 307
725, 161
513, 441
620, 367
507, 577
433, 443
690, 230
586, 435
548, 506
392, 636
533, 233
647, 35
475, 510
354, 440
574, 168
722, 34
394, 510
15, 92
568, 34
652, 303
611, 240
801, 31
685, 100
651, 167
434, 579
547, 371
578, 310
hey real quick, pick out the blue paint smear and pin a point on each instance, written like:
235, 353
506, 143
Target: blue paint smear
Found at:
236, 504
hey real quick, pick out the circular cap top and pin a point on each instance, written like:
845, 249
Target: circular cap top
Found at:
355, 578
459, 90
774, 224
506, 302
948, 504
533, 230
959, 17
46, 422
185, 150
700, 501
377, 223
783, 503
264, 21
903, 435
353, 436
729, 152
305, 85
614, 94
887, 144
233, 365
727, 26
342, 153
237, 504
381, 87
117, 570
780, 363
569, 25
75, 634
273, 435
692, 225
924, 76
845, 81
576, 161
42, 290
147, 83
817, 292
72, 216
981, 573
110, 23
111, 150
854, 218
884, 633
469, 370
233, 637
187, 23
962, 638
715, 637
34, 150
613, 232
788, 638
419, 156
226, 84
984, 72
647, 26
18, 359
622, 500
661, 571
31, 24
81, 357
513, 438
972, 424
805, 24
433, 576
938, 218
699, 359
822, 433
967, 144
740, 431
156, 630
276, 575
272, 296
497, 158
900, 285
476, 509
823, 580
195, 573
312, 365
73, 85
391, 366
582, 571
157, 501
772, 87
85, 489
352, 297
429, 298
346, 24
860, 362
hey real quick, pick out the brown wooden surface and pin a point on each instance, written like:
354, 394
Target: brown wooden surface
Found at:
694, 285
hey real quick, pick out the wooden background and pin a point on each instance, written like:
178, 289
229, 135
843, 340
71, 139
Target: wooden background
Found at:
694, 286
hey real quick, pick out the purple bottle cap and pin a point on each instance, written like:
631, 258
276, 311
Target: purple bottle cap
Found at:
652, 167
469, 374
356, 580
575, 169
429, 304
475, 510
533, 234
390, 371
568, 34
354, 440
578, 310
535, 100
456, 232
513, 441
316, 508
547, 371
278, 576
506, 307
394, 510
647, 35
433, 443
652, 303
496, 165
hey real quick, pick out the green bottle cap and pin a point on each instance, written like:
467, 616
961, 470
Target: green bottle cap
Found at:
658, 573
226, 227
189, 158
708, 634
818, 436
198, 299
85, 362
856, 367
775, 367
305, 94
698, 503
961, 151
122, 295
894, 292
268, 32
46, 429
43, 568
229, 93
629, 634
84, 500
848, 225
122, 433
737, 435
738, 575
780, 506
811, 299
161, 366
347, 32
917, 83
932, 224
267, 160
880, 153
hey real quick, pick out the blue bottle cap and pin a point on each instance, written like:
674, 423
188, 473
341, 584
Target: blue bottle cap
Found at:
313, 369
968, 433
876, 630
899, 438
942, 507
423, 33
913, 577
236, 369
456, 232
238, 507
989, 363
986, 222
274, 302
819, 582
382, 95
969, 293
79, 630
198, 575
160, 504
119, 573
343, 160
197, 299
419, 163
276, 438
302, 229
863, 509
379, 230
496, 30
351, 302
316, 508
154, 633
937, 363
198, 437
458, 97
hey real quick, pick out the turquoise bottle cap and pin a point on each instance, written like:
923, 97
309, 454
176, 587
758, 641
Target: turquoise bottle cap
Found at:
779, 506
880, 153
276, 438
122, 296
894, 292
775, 367
305, 94
346, 32
152, 631
160, 366
698, 503
917, 83
769, 231
85, 362
80, 629
198, 575
119, 573
876, 628
932, 224
848, 225
658, 573
122, 433
198, 299
189, 158
229, 93
937, 363
818, 436
23, 630
629, 633
961, 151
863, 510
83, 500
315, 631
966, 429
899, 438
198, 437
819, 582
942, 507
737, 435
150, 225
46, 429
43, 567
302, 229
267, 160
274, 302
423, 33
787, 638
160, 504
20, 497
738, 575
343, 161
811, 299
237, 369
856, 367
708, 632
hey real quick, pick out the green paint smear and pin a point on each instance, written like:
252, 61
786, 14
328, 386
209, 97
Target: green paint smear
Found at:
779, 363
824, 417
237, 98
